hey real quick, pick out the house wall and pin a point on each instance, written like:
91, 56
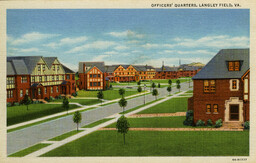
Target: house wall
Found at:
201, 99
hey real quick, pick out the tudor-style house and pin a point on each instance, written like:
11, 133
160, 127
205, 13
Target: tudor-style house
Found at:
221, 88
37, 76
92, 76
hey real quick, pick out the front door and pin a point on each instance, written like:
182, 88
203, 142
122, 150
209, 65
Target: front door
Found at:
234, 113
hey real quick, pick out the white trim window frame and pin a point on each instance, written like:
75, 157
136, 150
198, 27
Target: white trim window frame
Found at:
232, 87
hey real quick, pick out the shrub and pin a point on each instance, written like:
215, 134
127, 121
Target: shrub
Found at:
209, 122
247, 125
200, 123
74, 94
51, 99
189, 118
58, 97
110, 86
9, 104
35, 102
46, 99
218, 123
16, 104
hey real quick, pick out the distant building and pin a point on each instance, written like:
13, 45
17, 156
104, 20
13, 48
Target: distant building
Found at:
37, 76
222, 88
92, 76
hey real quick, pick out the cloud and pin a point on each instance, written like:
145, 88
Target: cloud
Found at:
100, 57
121, 47
93, 45
111, 52
66, 41
127, 33
149, 46
30, 37
29, 50
133, 42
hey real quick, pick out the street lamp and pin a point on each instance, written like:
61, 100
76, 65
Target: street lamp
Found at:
144, 94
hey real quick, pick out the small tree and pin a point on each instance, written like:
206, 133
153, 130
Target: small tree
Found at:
169, 89
153, 85
26, 100
178, 82
122, 103
121, 92
170, 82
122, 126
77, 117
65, 104
178, 87
100, 96
159, 85
139, 82
155, 93
139, 89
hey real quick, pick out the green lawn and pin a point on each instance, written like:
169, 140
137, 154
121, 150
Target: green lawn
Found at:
64, 136
170, 106
97, 123
186, 95
190, 91
81, 101
29, 150
158, 143
108, 94
18, 114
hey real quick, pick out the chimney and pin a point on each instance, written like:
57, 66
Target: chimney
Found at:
83, 68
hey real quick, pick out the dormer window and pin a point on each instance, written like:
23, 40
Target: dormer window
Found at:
233, 66
39, 67
43, 67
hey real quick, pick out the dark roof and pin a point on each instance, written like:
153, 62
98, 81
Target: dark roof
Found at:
110, 68
49, 60
10, 69
188, 68
140, 67
217, 67
166, 68
30, 61
67, 70
99, 65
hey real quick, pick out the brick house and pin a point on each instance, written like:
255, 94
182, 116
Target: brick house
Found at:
188, 71
92, 76
166, 72
221, 88
37, 76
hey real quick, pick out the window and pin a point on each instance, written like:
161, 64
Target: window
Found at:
51, 89
68, 77
39, 91
233, 66
57, 77
98, 83
10, 82
40, 78
26, 91
45, 78
21, 93
9, 94
94, 83
33, 79
53, 67
52, 77
209, 86
95, 76
215, 108
98, 75
58, 67
23, 79
90, 75
43, 67
208, 108
39, 67
91, 84
234, 84
73, 77
45, 90
57, 89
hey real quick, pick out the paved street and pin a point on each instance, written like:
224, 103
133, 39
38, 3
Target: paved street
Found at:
21, 139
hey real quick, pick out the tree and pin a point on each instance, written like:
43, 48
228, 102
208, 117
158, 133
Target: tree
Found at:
139, 82
139, 89
26, 100
122, 103
155, 93
178, 87
153, 85
65, 104
178, 82
169, 89
100, 96
121, 92
77, 117
122, 126
170, 82
159, 85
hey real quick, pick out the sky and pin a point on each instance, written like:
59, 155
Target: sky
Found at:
126, 36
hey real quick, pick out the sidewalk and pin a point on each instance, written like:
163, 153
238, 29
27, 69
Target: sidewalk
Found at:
87, 131
83, 107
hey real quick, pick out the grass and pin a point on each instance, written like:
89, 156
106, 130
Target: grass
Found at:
64, 136
170, 106
82, 101
190, 91
108, 94
18, 114
97, 123
190, 95
158, 122
46, 120
157, 143
29, 150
